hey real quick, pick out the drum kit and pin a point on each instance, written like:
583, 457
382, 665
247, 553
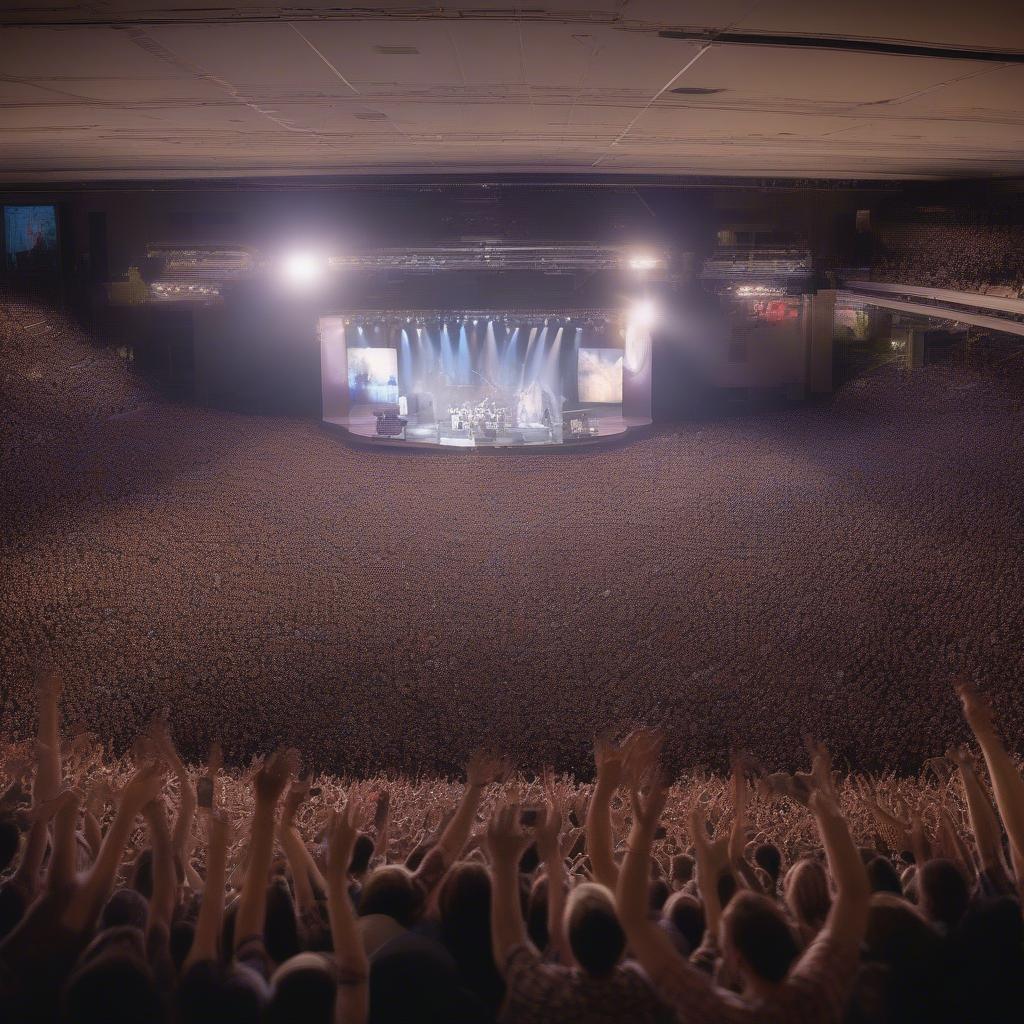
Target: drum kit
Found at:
485, 417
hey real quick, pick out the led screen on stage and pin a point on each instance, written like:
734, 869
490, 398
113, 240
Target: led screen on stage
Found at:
30, 237
372, 375
600, 375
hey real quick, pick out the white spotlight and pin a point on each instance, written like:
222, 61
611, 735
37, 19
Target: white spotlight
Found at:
640, 262
644, 313
302, 269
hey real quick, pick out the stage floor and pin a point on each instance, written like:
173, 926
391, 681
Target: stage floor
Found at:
363, 427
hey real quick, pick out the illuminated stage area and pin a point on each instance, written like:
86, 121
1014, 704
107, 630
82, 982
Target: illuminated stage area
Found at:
486, 378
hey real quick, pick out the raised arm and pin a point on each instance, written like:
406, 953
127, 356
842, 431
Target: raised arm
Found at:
48, 768
161, 737
293, 846
712, 858
26, 877
848, 917
738, 833
61, 873
984, 822
505, 842
381, 824
205, 943
268, 785
1007, 783
352, 1002
885, 818
90, 896
482, 770
550, 850
609, 761
650, 944
165, 884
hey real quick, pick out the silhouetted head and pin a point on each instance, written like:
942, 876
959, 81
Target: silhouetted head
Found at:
595, 935
769, 859
757, 938
537, 913
682, 869
303, 989
125, 907
464, 903
657, 893
390, 890
807, 893
361, 854
726, 888
113, 983
897, 932
212, 993
883, 876
687, 915
943, 893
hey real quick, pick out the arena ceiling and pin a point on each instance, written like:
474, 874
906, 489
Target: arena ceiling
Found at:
143, 89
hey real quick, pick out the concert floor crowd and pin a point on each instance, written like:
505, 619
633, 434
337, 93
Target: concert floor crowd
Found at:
818, 569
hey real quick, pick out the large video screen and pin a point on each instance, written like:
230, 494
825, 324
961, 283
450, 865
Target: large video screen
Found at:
30, 237
599, 375
372, 375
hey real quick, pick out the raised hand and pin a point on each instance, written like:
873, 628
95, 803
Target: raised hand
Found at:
821, 767
642, 750
49, 685
961, 756
145, 785
342, 832
977, 709
549, 830
609, 761
270, 780
647, 812
298, 793
484, 768
159, 735
381, 811
504, 838
51, 808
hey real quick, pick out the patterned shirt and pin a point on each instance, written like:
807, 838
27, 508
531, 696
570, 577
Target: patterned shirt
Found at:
816, 990
545, 993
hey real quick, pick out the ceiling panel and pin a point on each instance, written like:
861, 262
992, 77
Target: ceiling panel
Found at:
566, 84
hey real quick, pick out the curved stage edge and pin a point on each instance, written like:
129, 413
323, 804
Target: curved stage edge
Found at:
358, 437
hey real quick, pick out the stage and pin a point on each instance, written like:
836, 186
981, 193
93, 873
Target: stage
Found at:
361, 430
484, 379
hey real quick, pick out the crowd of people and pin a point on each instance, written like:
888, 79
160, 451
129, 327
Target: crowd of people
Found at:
808, 567
152, 891
963, 256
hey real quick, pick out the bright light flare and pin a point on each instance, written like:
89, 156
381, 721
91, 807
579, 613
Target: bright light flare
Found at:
641, 262
302, 269
644, 313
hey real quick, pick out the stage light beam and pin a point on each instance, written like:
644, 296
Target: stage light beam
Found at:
302, 269
644, 313
641, 262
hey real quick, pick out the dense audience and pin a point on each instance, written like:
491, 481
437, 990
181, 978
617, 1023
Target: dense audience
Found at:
963, 256
268, 585
149, 891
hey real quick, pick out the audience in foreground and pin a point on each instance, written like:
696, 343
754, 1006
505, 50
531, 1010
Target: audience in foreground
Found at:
177, 896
